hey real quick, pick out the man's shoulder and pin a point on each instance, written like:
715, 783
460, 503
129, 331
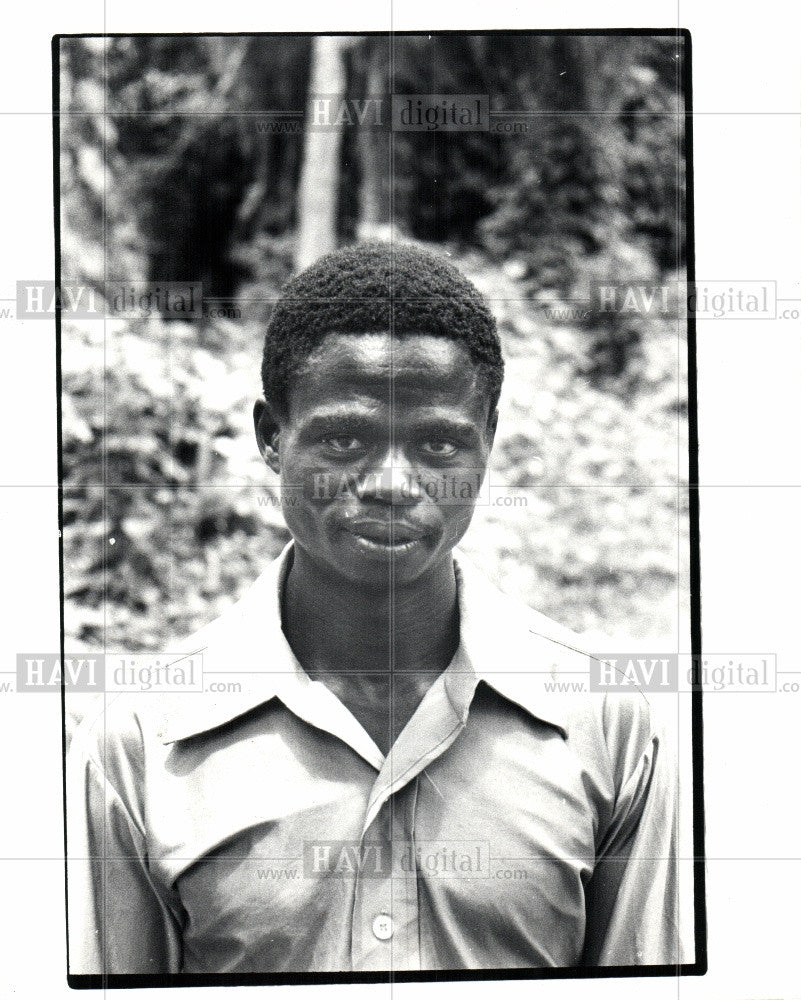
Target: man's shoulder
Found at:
552, 665
230, 658
125, 718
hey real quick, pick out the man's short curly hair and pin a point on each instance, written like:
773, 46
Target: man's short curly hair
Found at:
375, 288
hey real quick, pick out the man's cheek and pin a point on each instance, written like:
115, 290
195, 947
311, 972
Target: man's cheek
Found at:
304, 521
316, 482
308, 500
458, 517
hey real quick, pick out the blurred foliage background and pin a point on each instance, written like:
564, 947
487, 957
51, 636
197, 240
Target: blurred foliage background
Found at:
187, 159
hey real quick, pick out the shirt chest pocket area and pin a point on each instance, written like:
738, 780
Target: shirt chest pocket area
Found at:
250, 797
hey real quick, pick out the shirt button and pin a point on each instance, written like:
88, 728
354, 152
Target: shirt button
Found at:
383, 927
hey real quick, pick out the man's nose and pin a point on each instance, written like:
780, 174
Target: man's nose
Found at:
394, 481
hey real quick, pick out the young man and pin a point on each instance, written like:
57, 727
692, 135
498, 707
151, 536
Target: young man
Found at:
395, 785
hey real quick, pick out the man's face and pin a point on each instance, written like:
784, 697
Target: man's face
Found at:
381, 453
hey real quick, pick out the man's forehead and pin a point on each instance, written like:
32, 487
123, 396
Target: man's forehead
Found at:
410, 370
387, 354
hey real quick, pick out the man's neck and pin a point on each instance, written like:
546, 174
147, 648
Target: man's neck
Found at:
336, 626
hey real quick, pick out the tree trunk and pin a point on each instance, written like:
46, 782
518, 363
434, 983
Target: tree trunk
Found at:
374, 150
319, 176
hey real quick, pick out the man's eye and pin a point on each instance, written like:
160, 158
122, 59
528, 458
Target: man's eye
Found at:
440, 449
343, 443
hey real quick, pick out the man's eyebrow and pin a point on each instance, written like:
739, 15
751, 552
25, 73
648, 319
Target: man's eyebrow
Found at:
445, 425
330, 422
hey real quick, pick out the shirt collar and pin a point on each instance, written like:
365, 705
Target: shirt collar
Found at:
244, 656
511, 648
515, 650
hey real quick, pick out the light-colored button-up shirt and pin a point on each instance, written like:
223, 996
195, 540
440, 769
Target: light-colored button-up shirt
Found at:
512, 824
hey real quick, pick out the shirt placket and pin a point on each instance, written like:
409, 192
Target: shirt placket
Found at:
385, 925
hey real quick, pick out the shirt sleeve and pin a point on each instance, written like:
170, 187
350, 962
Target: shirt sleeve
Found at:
118, 921
633, 894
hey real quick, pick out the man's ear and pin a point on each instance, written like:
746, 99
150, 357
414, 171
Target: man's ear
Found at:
268, 432
492, 426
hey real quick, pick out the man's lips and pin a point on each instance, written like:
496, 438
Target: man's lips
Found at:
386, 532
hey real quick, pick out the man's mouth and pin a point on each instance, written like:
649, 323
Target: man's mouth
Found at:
386, 536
